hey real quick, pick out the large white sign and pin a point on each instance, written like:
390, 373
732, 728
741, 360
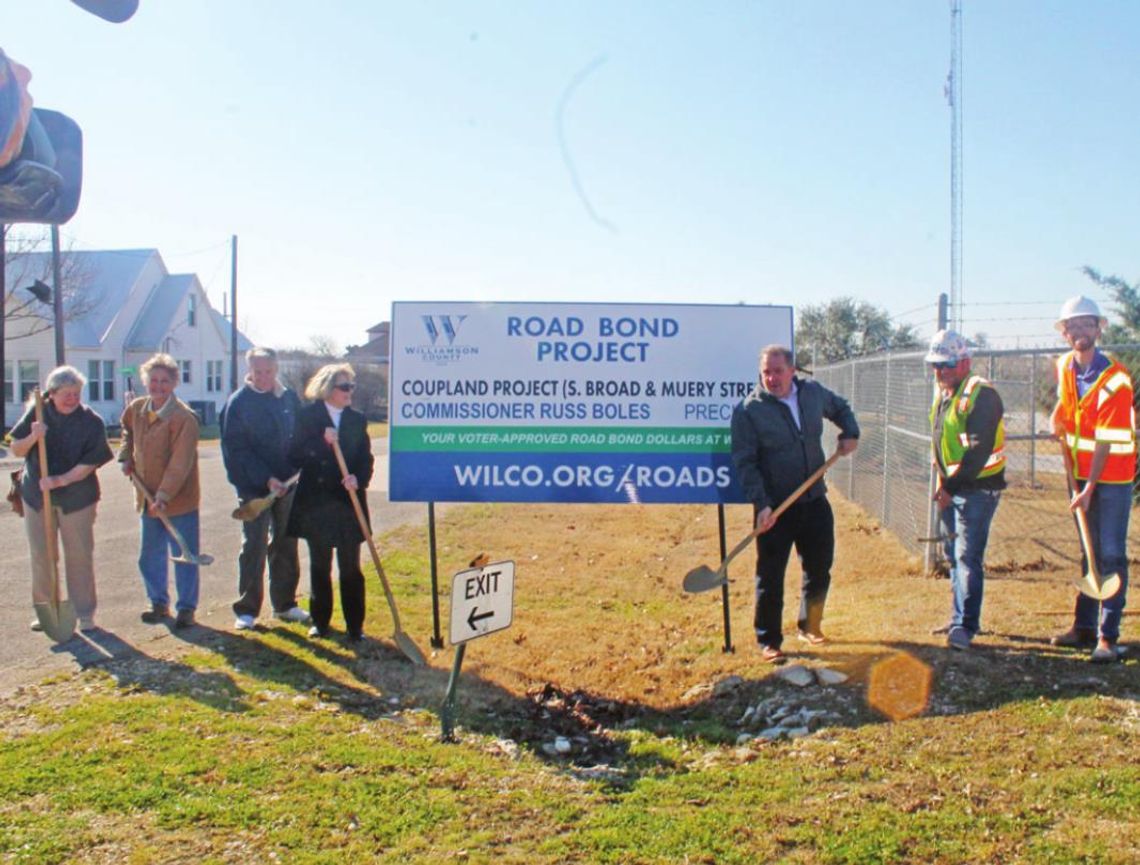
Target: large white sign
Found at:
482, 601
559, 402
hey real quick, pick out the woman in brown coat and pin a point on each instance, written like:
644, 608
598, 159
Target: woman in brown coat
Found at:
160, 446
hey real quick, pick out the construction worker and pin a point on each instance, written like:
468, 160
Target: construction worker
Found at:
968, 436
1095, 419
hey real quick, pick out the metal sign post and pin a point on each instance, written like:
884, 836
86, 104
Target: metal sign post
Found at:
482, 602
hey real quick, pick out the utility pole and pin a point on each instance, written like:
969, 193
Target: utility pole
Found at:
233, 315
57, 299
954, 99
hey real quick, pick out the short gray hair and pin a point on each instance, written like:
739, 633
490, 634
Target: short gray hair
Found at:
320, 386
64, 376
776, 348
160, 361
260, 353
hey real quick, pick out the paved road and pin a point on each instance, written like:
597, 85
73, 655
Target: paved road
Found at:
26, 656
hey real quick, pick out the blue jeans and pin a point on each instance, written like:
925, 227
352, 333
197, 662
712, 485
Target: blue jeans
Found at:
1108, 515
154, 551
970, 515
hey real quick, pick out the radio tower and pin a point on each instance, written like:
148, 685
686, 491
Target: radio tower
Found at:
954, 99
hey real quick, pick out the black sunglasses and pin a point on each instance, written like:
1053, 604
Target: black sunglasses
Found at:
943, 364
346, 386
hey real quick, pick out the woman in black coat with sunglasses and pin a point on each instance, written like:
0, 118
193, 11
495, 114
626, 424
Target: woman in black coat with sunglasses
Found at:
322, 512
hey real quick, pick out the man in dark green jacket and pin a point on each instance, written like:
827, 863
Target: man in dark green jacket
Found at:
777, 436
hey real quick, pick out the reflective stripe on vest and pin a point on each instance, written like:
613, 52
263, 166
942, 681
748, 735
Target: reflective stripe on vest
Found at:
1080, 417
955, 441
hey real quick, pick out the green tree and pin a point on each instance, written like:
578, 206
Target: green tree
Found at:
845, 327
1127, 299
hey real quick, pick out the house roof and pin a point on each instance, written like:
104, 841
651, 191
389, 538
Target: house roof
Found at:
223, 325
107, 277
154, 319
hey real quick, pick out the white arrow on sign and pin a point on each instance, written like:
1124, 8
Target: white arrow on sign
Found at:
482, 601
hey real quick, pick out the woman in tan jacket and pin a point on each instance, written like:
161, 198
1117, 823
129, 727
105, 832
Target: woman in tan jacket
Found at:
160, 446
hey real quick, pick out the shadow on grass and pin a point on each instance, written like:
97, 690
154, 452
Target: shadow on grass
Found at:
581, 730
135, 670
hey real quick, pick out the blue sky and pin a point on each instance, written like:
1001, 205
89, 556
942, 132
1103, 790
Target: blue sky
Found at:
656, 152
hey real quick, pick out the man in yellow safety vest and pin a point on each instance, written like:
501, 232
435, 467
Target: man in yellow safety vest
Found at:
968, 437
1096, 420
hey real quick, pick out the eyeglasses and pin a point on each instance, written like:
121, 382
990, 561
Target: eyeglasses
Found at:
346, 386
943, 364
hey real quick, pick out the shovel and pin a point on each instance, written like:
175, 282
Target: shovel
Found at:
703, 578
254, 508
56, 617
184, 555
1093, 585
403, 641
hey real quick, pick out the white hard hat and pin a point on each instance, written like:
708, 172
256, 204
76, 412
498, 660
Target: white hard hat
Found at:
1079, 307
947, 346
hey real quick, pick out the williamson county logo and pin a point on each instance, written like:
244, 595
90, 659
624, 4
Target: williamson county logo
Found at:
442, 348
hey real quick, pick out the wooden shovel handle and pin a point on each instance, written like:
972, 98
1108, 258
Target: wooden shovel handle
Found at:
49, 512
174, 533
783, 506
1082, 518
367, 532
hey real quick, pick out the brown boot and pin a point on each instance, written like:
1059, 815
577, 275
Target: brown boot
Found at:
1075, 638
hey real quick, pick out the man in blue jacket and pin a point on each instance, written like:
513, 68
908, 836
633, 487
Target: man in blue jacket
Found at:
776, 445
257, 429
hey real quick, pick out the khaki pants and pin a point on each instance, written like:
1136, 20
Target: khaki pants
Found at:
77, 537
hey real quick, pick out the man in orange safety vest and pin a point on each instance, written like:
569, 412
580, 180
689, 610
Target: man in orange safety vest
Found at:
1096, 421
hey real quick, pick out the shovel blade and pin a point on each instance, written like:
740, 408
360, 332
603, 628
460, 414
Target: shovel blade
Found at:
703, 579
200, 559
410, 649
253, 509
1101, 589
58, 621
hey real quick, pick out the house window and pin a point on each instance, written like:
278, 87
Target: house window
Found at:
184, 365
29, 378
192, 310
9, 385
214, 376
100, 380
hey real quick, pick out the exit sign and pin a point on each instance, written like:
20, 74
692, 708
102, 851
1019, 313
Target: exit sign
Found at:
482, 601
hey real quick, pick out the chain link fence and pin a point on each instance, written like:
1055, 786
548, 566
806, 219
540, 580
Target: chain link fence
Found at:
889, 476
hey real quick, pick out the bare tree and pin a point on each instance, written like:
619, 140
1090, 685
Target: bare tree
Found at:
25, 314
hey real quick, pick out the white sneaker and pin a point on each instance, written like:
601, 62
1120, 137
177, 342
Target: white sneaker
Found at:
294, 614
36, 626
243, 623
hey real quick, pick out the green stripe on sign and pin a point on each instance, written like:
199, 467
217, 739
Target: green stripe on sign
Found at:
537, 439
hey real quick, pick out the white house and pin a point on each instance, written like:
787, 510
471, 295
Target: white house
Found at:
121, 306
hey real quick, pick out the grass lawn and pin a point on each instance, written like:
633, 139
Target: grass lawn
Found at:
266, 746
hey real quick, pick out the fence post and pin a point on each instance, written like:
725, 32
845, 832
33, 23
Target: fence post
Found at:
851, 468
886, 440
1033, 421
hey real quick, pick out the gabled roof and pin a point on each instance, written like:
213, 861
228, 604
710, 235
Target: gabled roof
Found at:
223, 325
106, 277
157, 313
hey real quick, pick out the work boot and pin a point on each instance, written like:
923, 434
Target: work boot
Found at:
184, 619
1075, 638
156, 614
